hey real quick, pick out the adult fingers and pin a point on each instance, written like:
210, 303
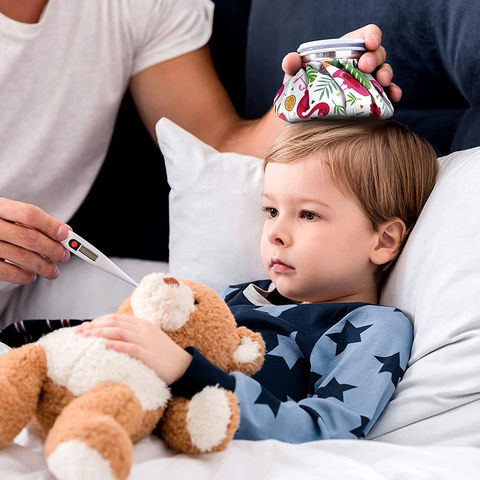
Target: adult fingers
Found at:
291, 64
394, 92
28, 264
384, 75
32, 240
376, 54
14, 274
370, 60
32, 216
371, 35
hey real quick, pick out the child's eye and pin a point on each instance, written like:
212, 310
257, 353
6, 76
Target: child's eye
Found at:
271, 212
310, 216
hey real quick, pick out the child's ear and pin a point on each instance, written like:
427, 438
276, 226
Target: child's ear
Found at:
388, 241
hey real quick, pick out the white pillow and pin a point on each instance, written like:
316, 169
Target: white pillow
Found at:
215, 230
214, 208
436, 282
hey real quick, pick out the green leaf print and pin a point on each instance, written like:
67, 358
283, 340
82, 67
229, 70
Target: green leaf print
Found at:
338, 109
311, 73
351, 98
354, 72
326, 85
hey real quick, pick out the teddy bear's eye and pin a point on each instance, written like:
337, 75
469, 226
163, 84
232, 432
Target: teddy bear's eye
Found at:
195, 302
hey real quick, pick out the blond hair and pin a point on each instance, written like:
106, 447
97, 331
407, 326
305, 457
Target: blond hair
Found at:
382, 163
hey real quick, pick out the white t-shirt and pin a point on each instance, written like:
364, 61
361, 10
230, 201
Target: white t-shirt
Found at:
61, 84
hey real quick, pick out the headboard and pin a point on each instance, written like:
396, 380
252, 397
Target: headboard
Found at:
432, 45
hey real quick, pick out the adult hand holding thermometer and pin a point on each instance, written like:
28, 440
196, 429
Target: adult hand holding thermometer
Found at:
86, 251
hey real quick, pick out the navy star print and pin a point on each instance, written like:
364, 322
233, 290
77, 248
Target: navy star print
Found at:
266, 398
329, 372
349, 334
334, 389
392, 364
359, 431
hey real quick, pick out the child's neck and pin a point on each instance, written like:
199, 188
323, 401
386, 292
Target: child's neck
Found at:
369, 295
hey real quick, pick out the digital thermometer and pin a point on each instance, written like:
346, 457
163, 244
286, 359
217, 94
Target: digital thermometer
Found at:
86, 251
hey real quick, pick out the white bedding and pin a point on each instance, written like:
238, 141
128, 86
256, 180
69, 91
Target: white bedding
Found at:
84, 292
326, 460
97, 293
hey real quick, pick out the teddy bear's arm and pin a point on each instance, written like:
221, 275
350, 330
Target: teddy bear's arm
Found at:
248, 356
205, 423
22, 373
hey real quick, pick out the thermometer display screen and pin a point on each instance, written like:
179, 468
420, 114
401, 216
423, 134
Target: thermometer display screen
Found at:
88, 253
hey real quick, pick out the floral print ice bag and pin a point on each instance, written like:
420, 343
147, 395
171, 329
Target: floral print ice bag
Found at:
331, 88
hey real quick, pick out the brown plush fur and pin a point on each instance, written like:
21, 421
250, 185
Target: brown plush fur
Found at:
53, 400
109, 417
22, 372
105, 419
212, 329
174, 425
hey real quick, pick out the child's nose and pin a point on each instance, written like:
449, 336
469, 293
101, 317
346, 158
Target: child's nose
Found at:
279, 241
278, 235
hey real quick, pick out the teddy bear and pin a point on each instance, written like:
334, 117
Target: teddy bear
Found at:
92, 403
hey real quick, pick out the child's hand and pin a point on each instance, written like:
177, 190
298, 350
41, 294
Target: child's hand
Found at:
142, 340
368, 62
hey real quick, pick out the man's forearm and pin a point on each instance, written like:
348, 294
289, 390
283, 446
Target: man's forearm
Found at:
251, 137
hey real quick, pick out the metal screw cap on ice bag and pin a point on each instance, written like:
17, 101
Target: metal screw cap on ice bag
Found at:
329, 49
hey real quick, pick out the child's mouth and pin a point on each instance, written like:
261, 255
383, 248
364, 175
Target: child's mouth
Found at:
280, 267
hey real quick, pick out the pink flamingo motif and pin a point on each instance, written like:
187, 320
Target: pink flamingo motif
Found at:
277, 96
375, 110
350, 82
377, 85
304, 104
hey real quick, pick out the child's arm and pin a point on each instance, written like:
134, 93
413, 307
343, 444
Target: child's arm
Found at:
355, 379
352, 389
142, 340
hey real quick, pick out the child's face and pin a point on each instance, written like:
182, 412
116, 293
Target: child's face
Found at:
316, 240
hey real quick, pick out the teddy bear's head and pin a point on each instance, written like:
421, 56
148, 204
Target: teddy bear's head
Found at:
192, 314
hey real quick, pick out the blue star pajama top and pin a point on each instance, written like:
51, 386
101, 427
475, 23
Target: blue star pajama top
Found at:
329, 369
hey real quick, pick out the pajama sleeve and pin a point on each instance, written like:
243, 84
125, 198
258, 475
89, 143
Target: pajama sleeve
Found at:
355, 367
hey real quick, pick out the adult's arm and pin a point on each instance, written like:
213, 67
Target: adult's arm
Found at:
187, 90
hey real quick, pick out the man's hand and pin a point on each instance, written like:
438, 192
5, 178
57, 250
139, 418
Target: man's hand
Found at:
374, 57
142, 340
188, 91
29, 238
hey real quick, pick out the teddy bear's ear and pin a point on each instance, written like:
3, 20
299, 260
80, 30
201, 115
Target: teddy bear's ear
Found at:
163, 300
248, 356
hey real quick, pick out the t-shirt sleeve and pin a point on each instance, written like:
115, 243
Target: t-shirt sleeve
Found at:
358, 363
165, 29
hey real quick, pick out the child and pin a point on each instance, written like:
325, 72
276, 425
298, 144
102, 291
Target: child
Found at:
340, 198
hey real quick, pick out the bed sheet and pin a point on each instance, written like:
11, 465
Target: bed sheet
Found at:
269, 459
96, 293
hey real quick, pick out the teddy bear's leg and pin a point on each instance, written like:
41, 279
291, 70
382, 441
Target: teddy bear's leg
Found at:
22, 373
92, 438
206, 423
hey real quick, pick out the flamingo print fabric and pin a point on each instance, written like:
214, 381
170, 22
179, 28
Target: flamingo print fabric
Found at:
331, 88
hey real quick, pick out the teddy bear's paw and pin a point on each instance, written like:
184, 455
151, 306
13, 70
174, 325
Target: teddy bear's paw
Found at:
74, 460
88, 445
212, 419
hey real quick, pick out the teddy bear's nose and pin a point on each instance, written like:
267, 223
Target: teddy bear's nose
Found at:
171, 281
